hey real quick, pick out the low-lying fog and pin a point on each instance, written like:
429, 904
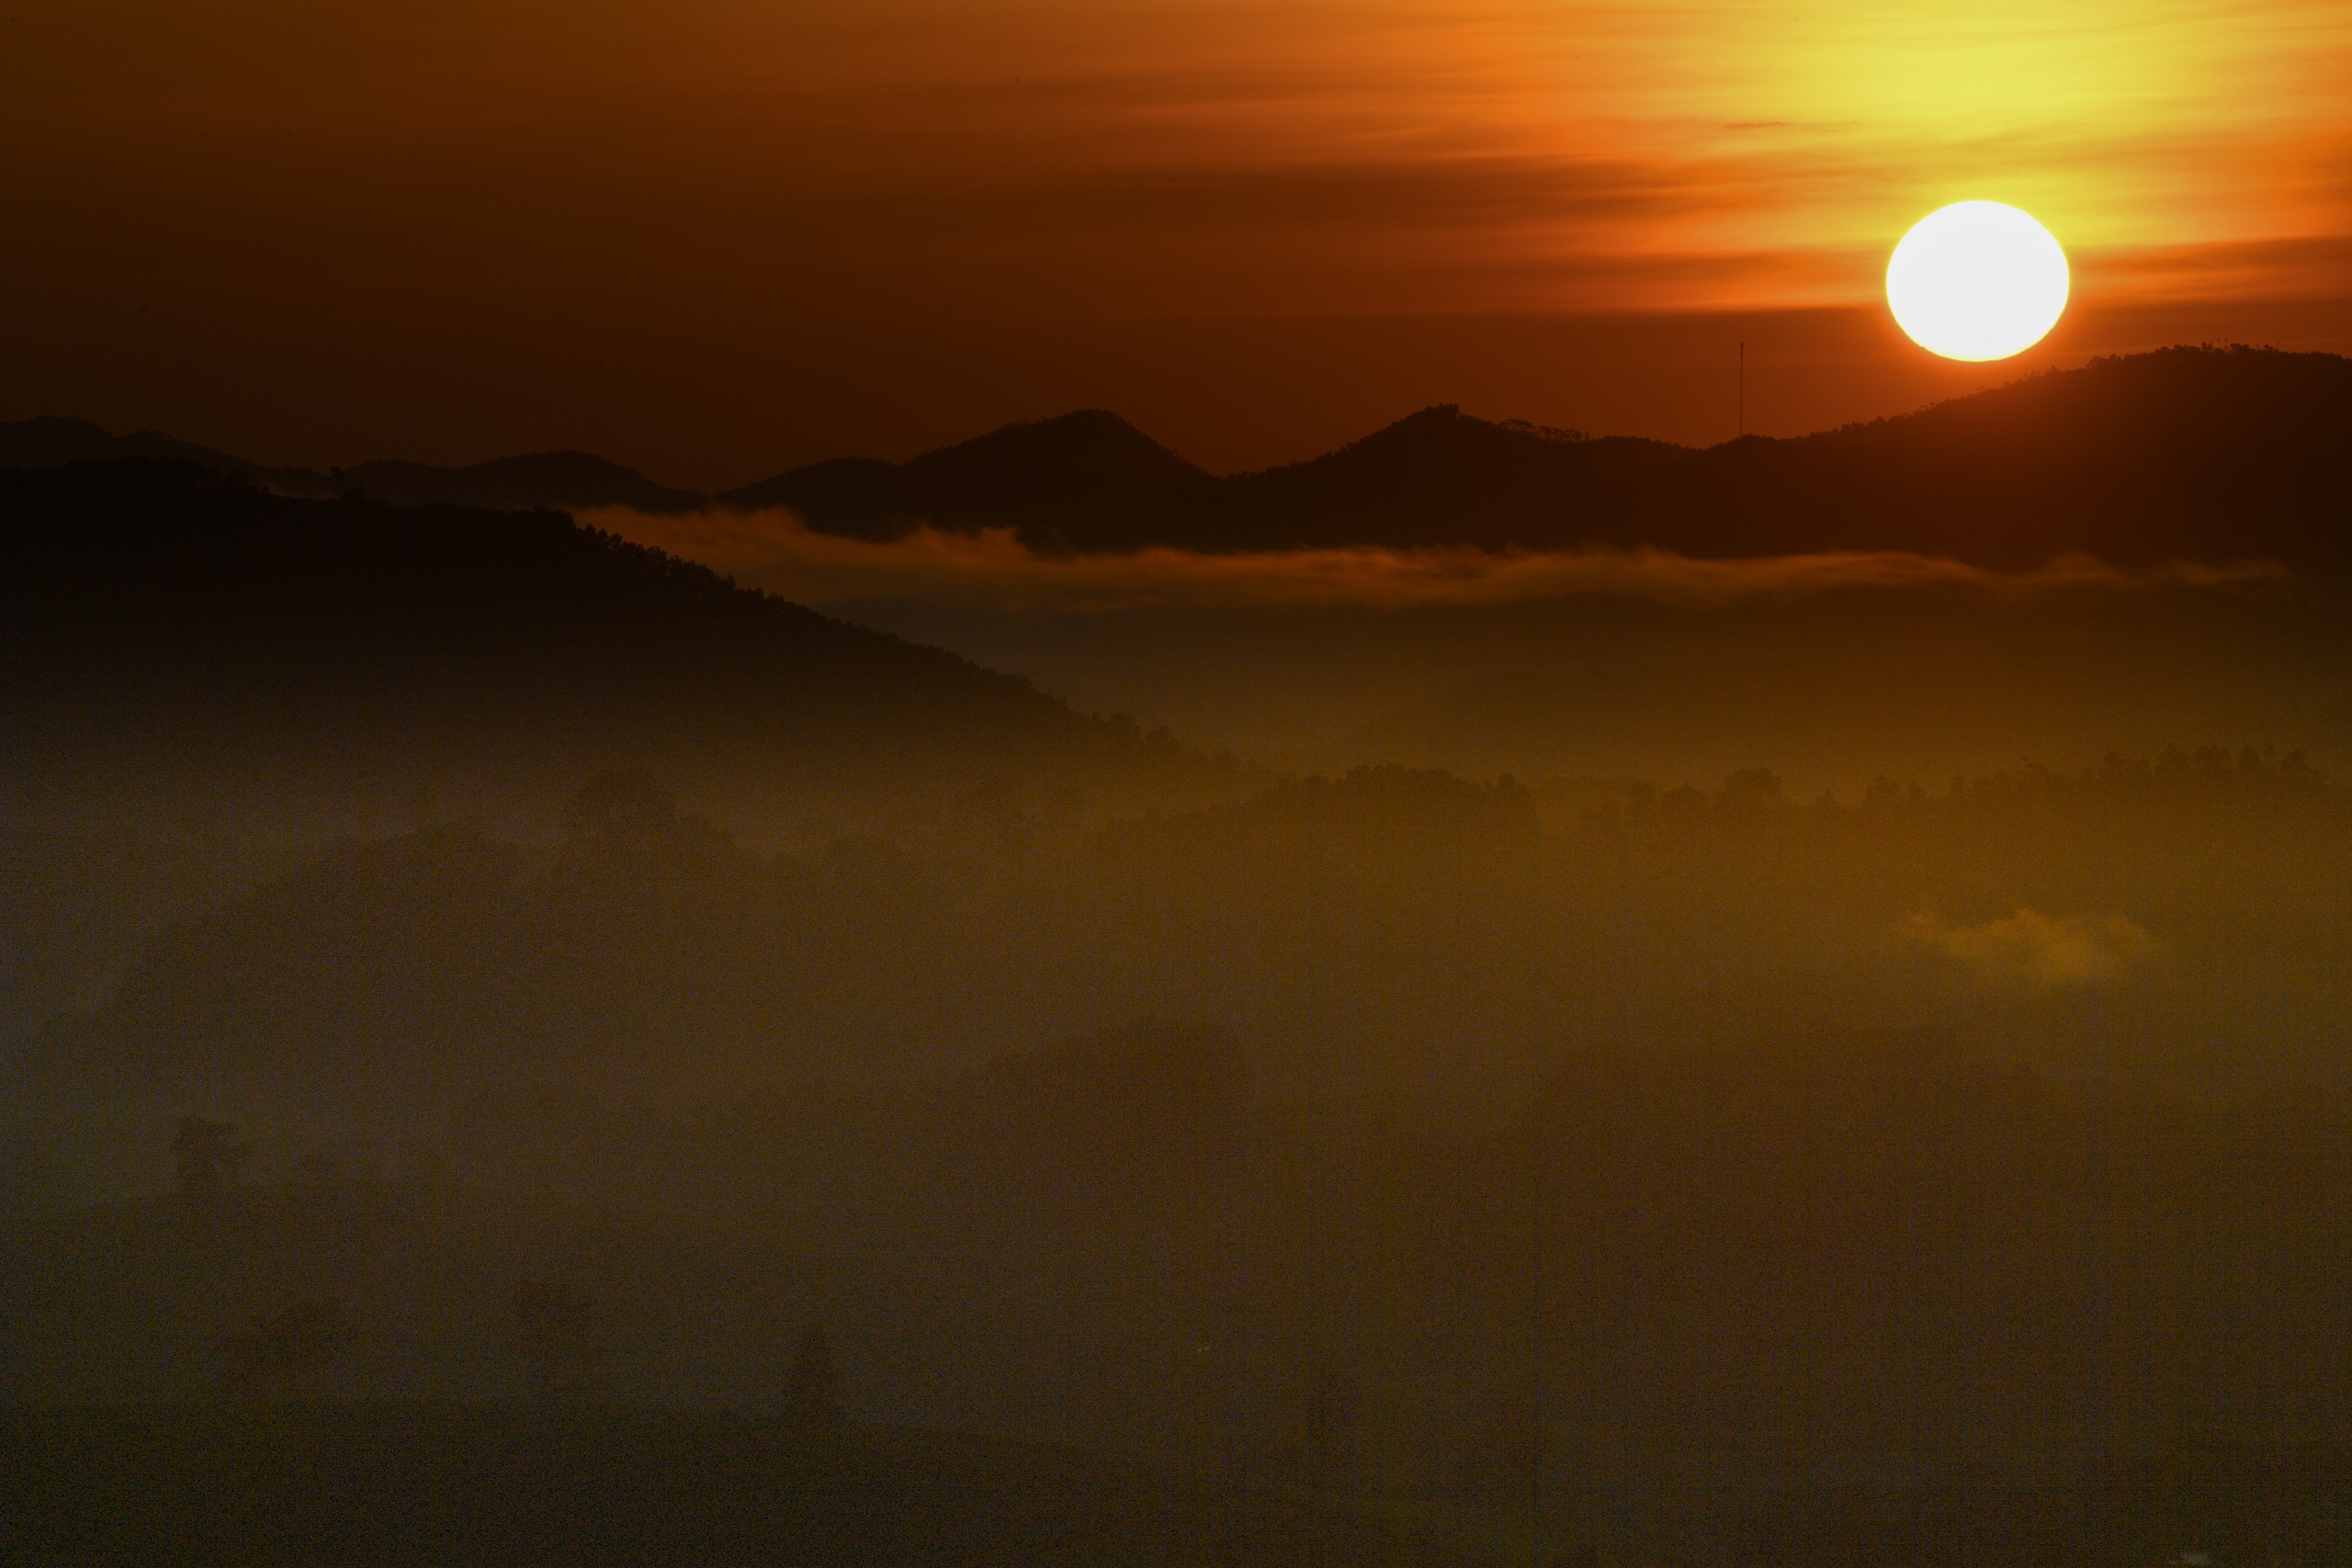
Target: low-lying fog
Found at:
1833, 669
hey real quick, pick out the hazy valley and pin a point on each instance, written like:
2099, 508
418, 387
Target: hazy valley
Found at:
1780, 1003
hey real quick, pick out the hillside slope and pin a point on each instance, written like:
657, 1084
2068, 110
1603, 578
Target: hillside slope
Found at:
2198, 453
162, 626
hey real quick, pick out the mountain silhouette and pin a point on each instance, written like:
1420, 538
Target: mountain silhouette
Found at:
1437, 477
1076, 482
2186, 453
2195, 454
2174, 454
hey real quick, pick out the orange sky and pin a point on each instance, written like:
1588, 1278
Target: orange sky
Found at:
714, 237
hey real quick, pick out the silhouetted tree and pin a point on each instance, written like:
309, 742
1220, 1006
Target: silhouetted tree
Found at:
812, 1384
301, 1337
1749, 795
551, 1330
208, 1157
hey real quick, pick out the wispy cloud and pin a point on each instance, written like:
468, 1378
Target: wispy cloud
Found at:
776, 551
1185, 154
2037, 953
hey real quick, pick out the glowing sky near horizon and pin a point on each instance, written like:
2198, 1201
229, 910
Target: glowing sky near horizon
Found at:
726, 174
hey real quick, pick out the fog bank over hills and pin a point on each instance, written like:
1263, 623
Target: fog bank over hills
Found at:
1833, 689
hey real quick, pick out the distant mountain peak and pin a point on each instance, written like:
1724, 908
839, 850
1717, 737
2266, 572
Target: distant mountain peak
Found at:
1070, 482
1094, 444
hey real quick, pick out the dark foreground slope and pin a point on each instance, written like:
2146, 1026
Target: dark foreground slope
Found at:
164, 628
391, 1485
360, 1485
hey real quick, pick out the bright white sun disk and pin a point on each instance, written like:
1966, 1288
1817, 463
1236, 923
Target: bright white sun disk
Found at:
1977, 280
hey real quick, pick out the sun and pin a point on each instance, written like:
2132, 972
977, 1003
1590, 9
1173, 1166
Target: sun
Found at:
1977, 280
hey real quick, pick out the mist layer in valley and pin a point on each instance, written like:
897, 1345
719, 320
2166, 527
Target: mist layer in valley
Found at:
2139, 553
1834, 669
